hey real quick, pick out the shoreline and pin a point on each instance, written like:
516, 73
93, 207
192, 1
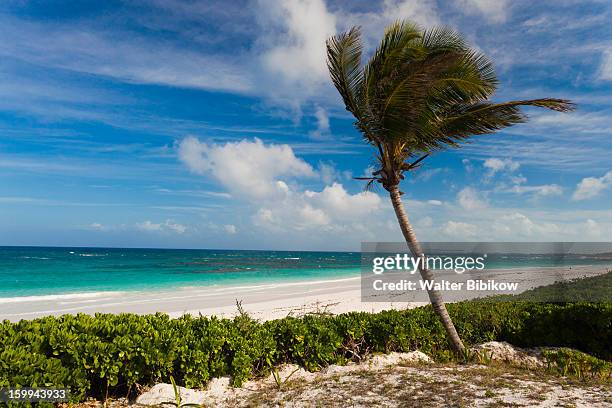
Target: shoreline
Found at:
264, 301
268, 282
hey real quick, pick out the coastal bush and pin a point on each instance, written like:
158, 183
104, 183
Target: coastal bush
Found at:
111, 354
567, 361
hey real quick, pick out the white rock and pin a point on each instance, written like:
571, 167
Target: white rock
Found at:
391, 359
506, 352
219, 387
164, 393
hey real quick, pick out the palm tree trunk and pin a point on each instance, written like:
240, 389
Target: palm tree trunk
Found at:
415, 247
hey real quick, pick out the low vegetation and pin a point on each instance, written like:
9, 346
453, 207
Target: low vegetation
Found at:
591, 289
115, 354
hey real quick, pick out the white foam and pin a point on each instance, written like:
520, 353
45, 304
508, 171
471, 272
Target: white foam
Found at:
43, 298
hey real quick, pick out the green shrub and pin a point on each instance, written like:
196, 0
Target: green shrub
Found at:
571, 362
104, 353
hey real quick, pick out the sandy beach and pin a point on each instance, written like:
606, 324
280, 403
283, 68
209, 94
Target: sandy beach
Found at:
264, 302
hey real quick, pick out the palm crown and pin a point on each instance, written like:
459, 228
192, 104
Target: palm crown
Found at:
421, 91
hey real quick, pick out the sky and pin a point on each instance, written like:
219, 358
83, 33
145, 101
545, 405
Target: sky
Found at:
201, 124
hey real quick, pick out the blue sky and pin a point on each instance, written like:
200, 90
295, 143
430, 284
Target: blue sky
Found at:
174, 123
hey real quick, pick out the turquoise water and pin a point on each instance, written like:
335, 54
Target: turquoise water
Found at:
35, 271
32, 271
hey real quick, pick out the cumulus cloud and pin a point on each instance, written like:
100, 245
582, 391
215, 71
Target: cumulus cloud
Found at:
173, 226
298, 56
495, 165
591, 187
338, 202
333, 208
168, 225
470, 199
261, 175
328, 172
248, 168
519, 225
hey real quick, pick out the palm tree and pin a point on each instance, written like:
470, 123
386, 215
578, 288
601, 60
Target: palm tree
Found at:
420, 92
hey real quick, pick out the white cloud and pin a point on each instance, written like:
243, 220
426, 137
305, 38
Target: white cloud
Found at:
322, 131
230, 229
470, 199
373, 23
259, 174
329, 173
591, 187
313, 216
168, 225
248, 168
495, 165
518, 225
173, 226
519, 179
120, 55
592, 228
297, 52
149, 226
336, 201
332, 209
494, 10
515, 224
421, 11
434, 202
97, 226
540, 191
425, 222
456, 229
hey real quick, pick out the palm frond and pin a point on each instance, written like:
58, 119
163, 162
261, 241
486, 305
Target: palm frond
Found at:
370, 185
485, 118
400, 43
421, 91
344, 64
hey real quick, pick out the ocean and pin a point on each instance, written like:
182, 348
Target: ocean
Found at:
41, 271
35, 271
